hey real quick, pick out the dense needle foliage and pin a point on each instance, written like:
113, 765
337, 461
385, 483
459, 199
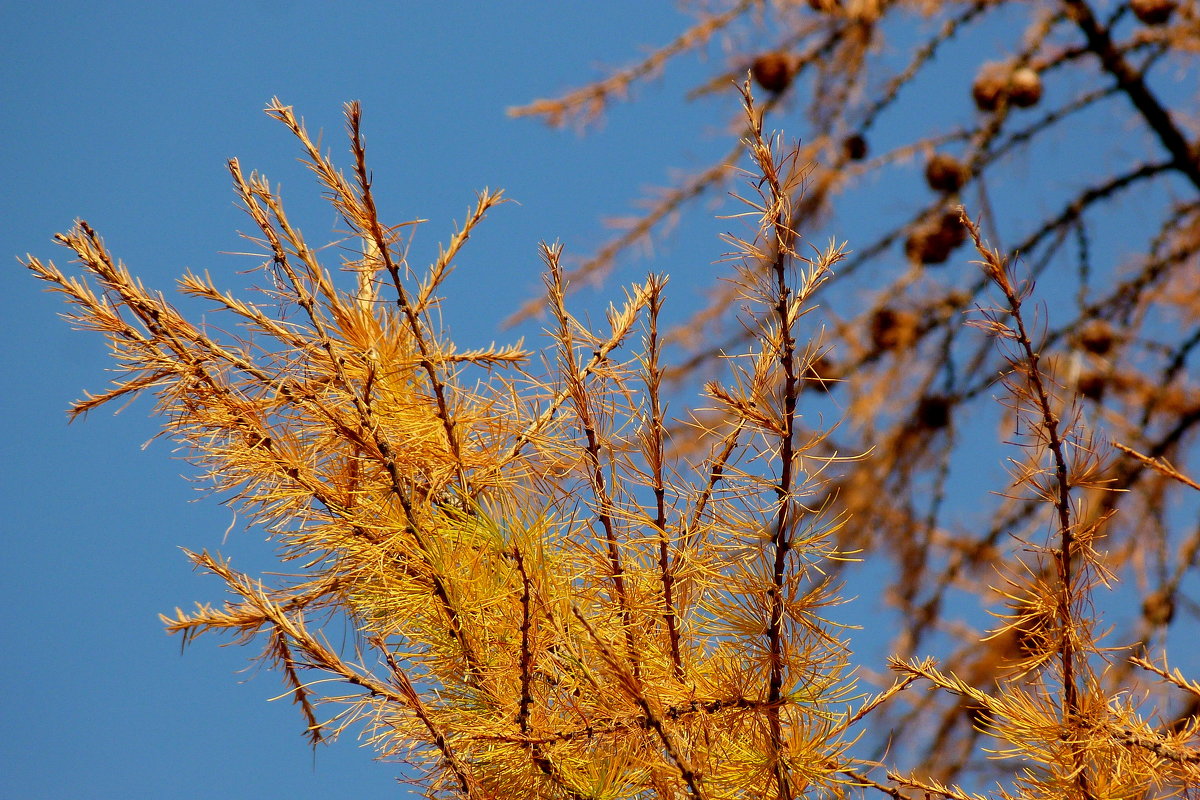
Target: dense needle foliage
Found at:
1068, 130
550, 597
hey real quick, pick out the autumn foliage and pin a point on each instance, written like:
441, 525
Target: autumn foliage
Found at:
550, 598
1067, 129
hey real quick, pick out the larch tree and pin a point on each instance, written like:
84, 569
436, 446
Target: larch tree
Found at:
560, 585
1068, 130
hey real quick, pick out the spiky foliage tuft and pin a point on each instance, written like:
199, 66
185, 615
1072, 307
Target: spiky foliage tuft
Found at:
546, 604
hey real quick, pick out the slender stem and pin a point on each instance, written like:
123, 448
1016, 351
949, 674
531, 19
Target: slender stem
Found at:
1133, 84
1065, 554
375, 229
655, 428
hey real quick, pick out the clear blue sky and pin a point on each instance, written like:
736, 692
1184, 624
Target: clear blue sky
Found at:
124, 114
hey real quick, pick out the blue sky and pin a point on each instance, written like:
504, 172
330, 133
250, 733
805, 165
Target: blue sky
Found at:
124, 114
